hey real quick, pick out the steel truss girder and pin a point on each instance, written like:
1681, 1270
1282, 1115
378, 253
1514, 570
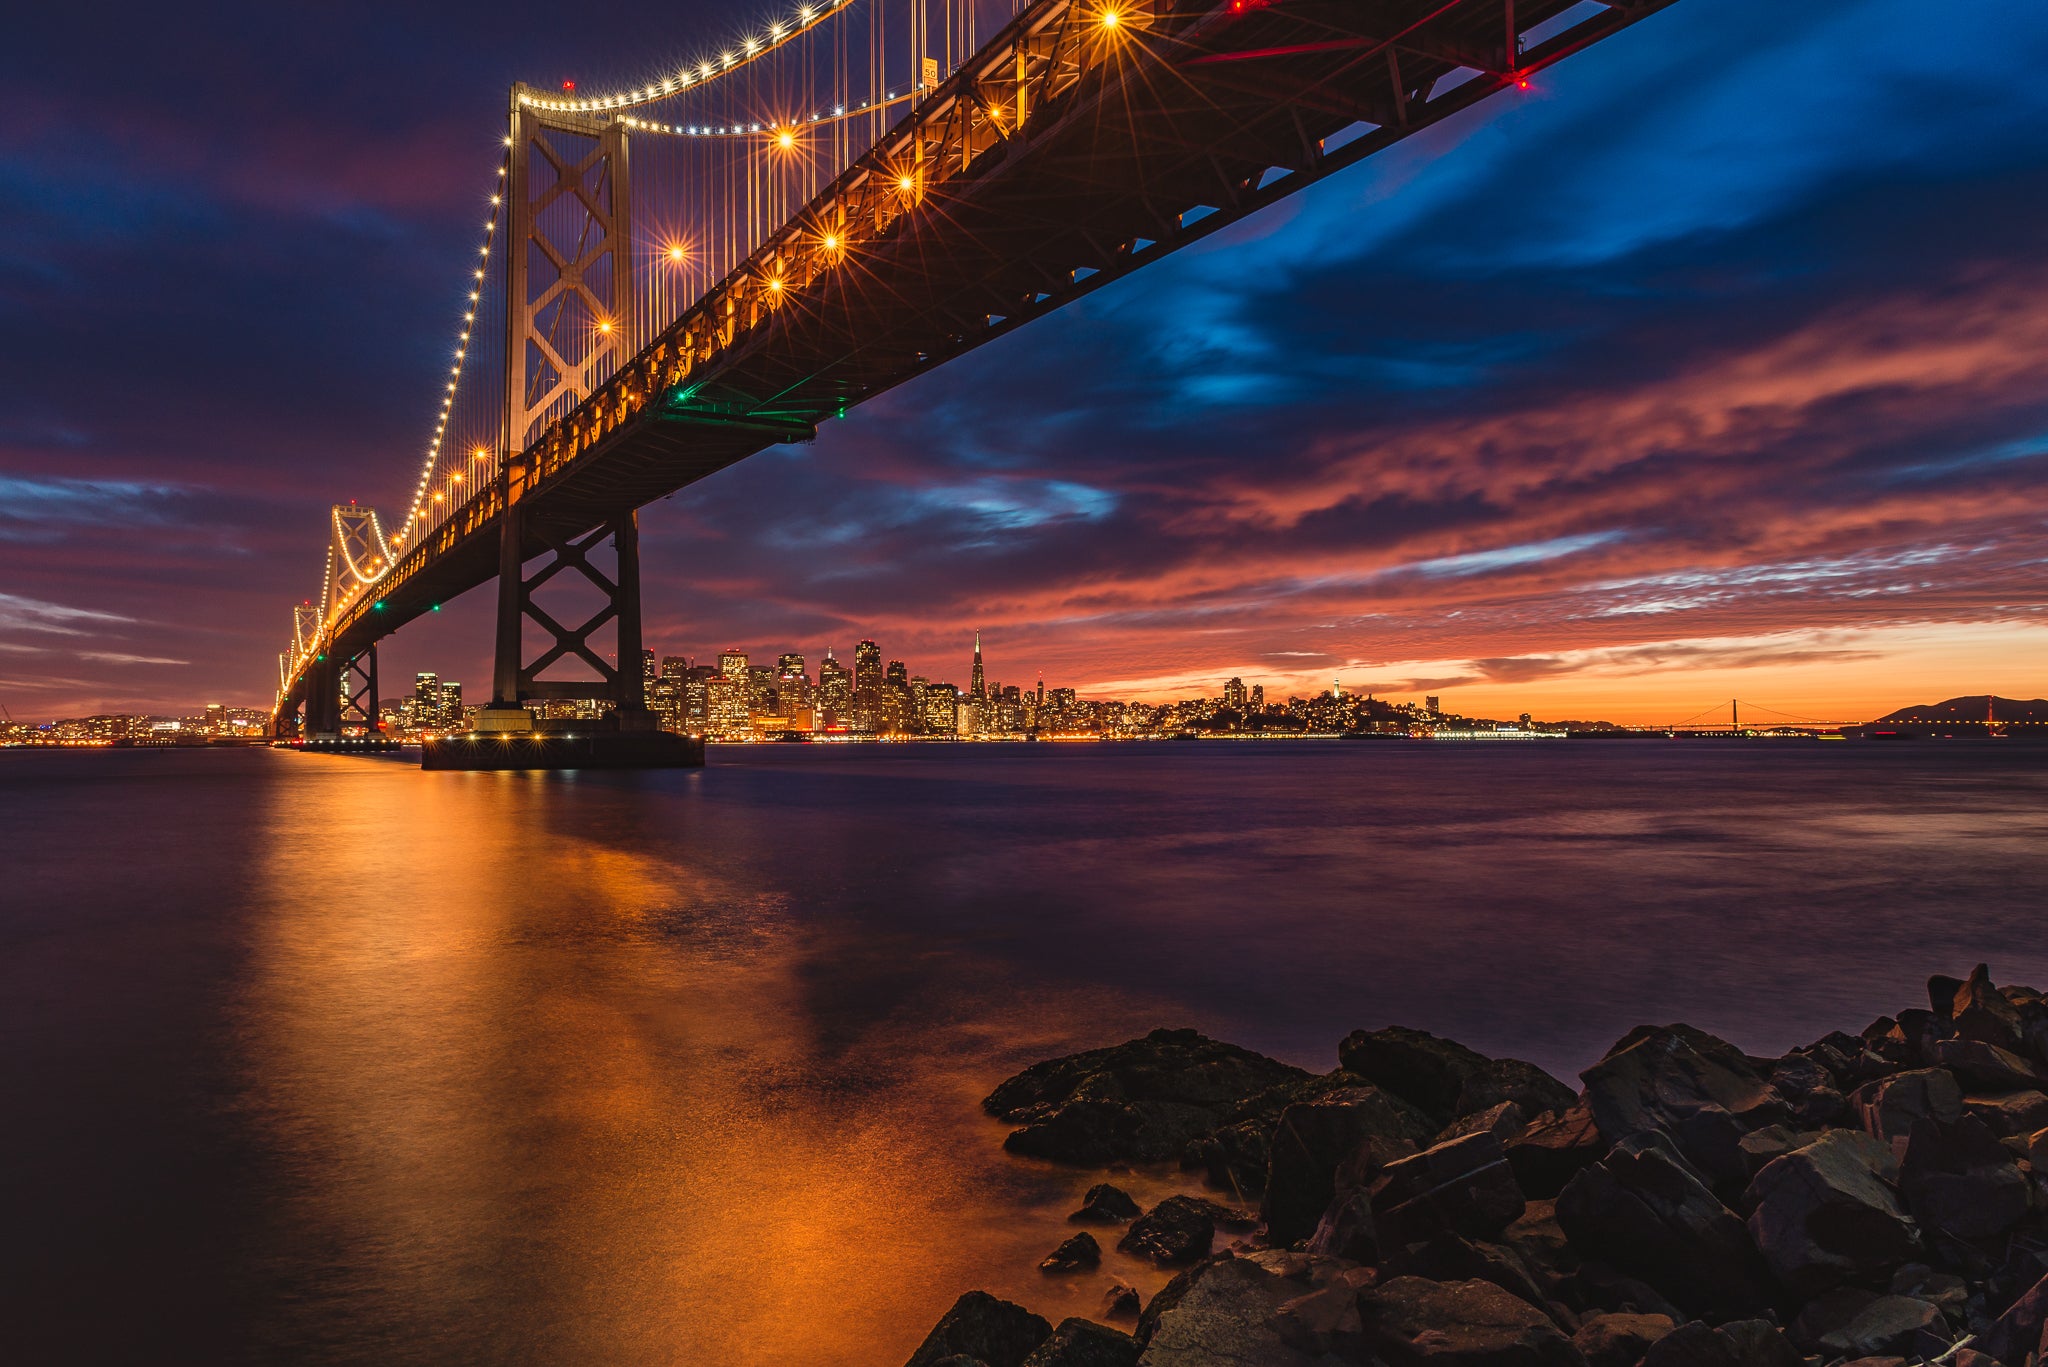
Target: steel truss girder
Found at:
516, 678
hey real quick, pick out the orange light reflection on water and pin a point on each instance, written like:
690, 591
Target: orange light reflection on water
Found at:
512, 1065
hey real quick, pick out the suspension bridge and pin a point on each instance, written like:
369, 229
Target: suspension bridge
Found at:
673, 276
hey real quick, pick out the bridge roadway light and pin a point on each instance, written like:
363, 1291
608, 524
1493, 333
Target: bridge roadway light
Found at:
785, 139
1110, 19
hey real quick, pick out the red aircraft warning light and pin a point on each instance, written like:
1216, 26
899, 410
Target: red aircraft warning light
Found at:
568, 87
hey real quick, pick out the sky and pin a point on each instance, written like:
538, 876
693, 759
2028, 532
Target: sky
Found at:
1715, 365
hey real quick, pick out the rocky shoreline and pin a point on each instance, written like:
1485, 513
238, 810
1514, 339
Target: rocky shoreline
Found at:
1877, 1198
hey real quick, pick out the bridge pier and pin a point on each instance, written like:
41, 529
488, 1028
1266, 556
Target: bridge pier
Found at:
507, 736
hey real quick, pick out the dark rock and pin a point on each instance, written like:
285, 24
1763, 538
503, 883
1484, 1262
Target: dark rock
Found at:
1083, 1343
1310, 1142
1960, 1181
1889, 1106
2013, 1113
1552, 1149
1411, 1321
1772, 1142
1823, 1215
1946, 1292
1105, 1205
1142, 1101
1941, 993
959, 1360
1347, 1230
1988, 1066
1178, 1229
1922, 1031
1444, 1078
1742, 1343
1235, 1157
1076, 1253
1808, 1090
1880, 1326
1980, 1012
1760, 1343
979, 1326
1611, 1340
1700, 1090
1224, 1313
1238, 1156
1644, 1209
2019, 1330
1449, 1258
1503, 1122
1606, 1288
1463, 1187
1828, 1312
1120, 1301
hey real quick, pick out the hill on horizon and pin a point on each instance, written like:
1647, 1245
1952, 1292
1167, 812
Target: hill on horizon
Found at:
1971, 708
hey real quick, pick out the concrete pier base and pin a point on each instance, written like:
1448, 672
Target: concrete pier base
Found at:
584, 749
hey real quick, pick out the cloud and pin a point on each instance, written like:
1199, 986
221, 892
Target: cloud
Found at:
30, 614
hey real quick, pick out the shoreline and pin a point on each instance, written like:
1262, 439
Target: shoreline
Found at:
1877, 1197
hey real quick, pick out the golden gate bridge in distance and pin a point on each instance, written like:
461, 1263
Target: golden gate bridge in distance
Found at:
674, 275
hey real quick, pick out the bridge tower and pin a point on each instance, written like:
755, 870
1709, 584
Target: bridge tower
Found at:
570, 320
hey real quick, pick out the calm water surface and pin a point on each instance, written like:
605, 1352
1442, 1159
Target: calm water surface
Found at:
330, 1060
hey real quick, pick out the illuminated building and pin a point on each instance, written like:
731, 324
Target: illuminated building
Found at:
835, 693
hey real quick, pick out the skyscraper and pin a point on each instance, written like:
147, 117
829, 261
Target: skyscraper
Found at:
867, 685
733, 664
835, 693
977, 687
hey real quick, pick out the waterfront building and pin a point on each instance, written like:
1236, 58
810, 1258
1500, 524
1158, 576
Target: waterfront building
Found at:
940, 708
835, 693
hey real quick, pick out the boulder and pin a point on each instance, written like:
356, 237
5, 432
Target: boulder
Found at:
1141, 1101
1989, 1067
1645, 1210
1073, 1255
1772, 1142
983, 1328
1739, 1343
1238, 1156
1619, 1340
1552, 1148
1700, 1090
1120, 1301
1449, 1258
1444, 1078
1829, 1311
1311, 1141
2019, 1330
1960, 1181
1980, 1012
1234, 1157
1809, 1090
1225, 1313
1083, 1343
1879, 1326
1105, 1205
1503, 1122
1347, 1230
1178, 1230
2010, 1113
1461, 1187
1888, 1107
1413, 1322
1823, 1215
